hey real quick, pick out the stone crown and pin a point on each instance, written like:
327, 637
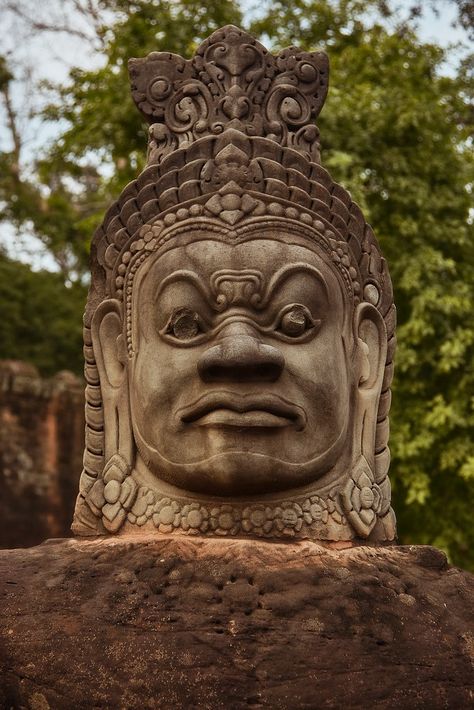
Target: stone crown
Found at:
231, 82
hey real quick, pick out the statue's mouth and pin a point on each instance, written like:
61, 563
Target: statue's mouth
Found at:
229, 409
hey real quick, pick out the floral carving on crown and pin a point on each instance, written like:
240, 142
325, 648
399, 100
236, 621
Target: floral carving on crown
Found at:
231, 82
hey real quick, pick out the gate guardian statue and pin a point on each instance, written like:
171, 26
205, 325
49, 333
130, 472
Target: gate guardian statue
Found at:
239, 330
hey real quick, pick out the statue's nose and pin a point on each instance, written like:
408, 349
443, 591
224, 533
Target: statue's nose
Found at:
240, 356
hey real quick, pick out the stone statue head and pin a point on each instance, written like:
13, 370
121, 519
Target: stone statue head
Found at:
239, 330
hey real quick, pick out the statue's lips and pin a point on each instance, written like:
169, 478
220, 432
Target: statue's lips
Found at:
250, 410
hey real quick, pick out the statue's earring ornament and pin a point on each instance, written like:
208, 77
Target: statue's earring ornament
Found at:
112, 496
362, 498
231, 267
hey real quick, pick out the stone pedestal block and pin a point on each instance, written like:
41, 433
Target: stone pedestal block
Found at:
207, 623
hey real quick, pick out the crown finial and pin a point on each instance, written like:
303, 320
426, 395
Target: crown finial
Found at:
231, 82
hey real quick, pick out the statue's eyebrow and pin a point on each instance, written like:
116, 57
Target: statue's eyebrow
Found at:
277, 278
183, 275
287, 271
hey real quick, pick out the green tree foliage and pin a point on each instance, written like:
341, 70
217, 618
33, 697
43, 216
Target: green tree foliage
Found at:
41, 318
396, 131
47, 203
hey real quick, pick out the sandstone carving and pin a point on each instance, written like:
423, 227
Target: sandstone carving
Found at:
240, 327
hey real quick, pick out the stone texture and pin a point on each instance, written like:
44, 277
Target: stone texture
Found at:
41, 445
182, 622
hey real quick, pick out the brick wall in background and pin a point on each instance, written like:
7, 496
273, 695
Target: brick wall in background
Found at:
41, 445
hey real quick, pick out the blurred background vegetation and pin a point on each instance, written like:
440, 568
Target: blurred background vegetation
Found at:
396, 130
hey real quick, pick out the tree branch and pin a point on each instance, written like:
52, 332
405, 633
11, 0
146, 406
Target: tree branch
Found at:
57, 27
5, 79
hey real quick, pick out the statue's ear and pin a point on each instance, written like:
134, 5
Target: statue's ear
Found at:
371, 347
369, 362
108, 341
111, 359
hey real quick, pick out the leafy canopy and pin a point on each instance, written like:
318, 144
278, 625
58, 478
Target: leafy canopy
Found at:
36, 303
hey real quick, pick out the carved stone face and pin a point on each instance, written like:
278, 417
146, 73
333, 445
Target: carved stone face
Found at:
242, 377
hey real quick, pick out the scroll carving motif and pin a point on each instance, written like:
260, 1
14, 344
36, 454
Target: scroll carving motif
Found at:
232, 81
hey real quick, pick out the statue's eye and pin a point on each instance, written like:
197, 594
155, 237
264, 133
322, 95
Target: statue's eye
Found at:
296, 321
184, 324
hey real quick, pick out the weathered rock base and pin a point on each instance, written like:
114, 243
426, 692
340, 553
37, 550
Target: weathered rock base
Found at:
181, 623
